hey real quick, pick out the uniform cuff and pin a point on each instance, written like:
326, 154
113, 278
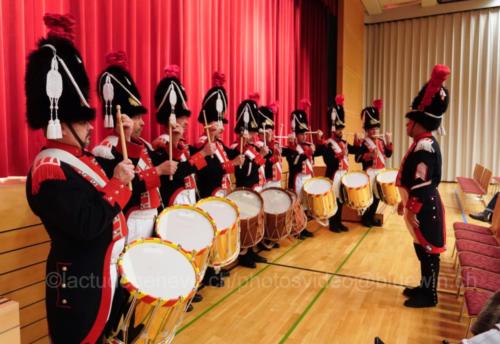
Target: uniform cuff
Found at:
116, 192
414, 205
259, 160
228, 167
150, 178
133, 150
198, 161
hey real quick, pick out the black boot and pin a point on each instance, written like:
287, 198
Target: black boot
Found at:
427, 297
335, 221
256, 257
368, 218
197, 298
306, 234
484, 216
409, 291
263, 247
224, 273
212, 279
189, 308
246, 260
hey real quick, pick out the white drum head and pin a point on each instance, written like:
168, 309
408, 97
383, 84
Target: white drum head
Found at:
223, 213
158, 270
185, 227
387, 177
276, 201
317, 186
249, 204
355, 179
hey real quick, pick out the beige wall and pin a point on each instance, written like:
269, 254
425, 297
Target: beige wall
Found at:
350, 61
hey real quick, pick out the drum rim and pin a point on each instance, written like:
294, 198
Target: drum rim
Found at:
252, 191
146, 298
316, 178
357, 187
190, 207
281, 190
384, 171
223, 200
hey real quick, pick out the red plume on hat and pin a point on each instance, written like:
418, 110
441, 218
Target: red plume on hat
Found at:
339, 99
274, 106
171, 71
117, 58
255, 96
218, 79
60, 25
377, 104
439, 74
304, 103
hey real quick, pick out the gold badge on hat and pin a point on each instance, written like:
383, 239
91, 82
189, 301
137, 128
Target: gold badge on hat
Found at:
133, 102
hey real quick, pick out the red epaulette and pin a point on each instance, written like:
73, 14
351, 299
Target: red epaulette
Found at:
45, 169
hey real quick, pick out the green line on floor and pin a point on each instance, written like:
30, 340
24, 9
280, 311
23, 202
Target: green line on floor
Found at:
322, 290
245, 282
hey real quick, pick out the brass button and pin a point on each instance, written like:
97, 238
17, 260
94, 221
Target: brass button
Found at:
64, 301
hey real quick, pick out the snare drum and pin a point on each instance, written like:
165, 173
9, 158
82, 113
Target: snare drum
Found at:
227, 221
278, 211
161, 279
386, 181
320, 198
299, 218
358, 193
251, 208
189, 227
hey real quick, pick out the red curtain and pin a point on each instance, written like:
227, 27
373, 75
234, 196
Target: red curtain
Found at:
274, 47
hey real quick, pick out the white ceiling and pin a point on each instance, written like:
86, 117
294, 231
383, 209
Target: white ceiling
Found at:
388, 10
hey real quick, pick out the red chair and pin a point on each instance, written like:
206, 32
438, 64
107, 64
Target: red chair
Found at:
475, 278
472, 228
476, 247
474, 302
479, 261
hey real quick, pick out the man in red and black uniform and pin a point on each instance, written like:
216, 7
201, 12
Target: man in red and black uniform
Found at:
299, 153
117, 87
251, 173
215, 178
372, 155
418, 180
272, 167
181, 189
335, 151
79, 206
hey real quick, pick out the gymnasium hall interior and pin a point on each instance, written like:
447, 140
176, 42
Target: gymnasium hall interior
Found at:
250, 171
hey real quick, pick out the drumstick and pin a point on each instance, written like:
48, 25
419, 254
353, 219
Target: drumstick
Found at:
281, 133
122, 137
208, 132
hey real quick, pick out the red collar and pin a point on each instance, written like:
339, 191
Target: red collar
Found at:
421, 136
76, 151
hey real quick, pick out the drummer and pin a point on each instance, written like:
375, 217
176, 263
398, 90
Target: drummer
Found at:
250, 174
272, 167
117, 87
334, 151
181, 189
372, 155
215, 178
299, 153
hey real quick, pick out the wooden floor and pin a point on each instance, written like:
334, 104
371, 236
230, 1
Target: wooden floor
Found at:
333, 288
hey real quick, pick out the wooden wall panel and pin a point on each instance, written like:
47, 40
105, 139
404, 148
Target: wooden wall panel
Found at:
350, 64
24, 246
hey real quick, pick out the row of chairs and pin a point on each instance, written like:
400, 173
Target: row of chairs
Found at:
477, 263
479, 184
